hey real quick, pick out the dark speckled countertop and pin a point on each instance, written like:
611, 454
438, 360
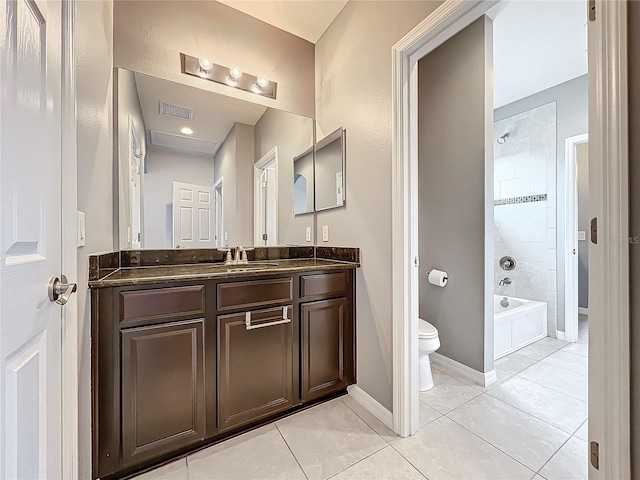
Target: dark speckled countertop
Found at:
171, 273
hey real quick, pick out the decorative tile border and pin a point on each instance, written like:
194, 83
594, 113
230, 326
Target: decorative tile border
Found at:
526, 199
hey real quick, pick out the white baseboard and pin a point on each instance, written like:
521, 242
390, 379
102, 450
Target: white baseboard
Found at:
372, 405
481, 378
583, 311
561, 335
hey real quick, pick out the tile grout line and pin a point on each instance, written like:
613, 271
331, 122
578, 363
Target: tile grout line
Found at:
292, 454
356, 463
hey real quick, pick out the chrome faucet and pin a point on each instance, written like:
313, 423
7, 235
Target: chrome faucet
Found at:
240, 257
504, 281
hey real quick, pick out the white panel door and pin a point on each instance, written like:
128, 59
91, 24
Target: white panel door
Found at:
30, 239
193, 213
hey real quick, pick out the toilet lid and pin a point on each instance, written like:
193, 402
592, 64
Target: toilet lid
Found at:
426, 330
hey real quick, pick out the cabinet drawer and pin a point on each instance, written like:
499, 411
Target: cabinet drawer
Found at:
323, 285
254, 293
162, 303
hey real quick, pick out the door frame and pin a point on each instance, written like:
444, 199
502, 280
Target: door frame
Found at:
571, 238
71, 354
609, 388
219, 184
271, 157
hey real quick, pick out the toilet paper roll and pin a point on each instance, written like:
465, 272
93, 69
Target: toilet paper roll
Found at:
438, 278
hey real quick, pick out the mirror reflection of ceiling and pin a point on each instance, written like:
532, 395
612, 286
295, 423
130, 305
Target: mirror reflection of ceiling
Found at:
537, 45
213, 115
307, 19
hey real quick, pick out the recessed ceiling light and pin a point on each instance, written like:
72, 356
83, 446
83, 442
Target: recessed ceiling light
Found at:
187, 131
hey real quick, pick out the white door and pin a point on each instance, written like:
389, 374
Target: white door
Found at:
193, 225
30, 239
266, 199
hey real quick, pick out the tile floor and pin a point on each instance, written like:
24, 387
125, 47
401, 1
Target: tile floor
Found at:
531, 424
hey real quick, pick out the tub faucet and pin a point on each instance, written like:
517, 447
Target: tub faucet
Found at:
504, 281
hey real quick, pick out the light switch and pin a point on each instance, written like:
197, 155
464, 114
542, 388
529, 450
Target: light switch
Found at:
82, 230
325, 233
582, 235
308, 234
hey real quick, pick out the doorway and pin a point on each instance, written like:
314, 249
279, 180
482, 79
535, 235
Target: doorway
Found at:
576, 235
220, 237
609, 404
265, 196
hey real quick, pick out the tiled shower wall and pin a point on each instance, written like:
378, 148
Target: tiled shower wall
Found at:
525, 206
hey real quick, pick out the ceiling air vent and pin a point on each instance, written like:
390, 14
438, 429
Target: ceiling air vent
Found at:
176, 111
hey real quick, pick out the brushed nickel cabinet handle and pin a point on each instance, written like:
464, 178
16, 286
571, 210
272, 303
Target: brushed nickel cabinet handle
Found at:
285, 319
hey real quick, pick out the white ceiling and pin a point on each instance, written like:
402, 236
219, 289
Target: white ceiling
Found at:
213, 115
537, 45
307, 19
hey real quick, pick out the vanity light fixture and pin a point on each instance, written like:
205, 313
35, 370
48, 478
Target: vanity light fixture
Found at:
186, 131
231, 76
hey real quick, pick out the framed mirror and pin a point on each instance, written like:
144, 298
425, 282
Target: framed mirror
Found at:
330, 171
196, 169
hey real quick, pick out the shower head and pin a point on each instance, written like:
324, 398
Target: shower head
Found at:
503, 139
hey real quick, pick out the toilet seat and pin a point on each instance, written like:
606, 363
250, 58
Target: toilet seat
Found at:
426, 330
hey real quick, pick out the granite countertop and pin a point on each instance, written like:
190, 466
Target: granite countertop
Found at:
171, 273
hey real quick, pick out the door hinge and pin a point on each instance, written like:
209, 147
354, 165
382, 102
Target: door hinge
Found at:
594, 230
594, 455
416, 261
592, 10
264, 236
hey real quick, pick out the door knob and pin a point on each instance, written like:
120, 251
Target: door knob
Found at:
60, 290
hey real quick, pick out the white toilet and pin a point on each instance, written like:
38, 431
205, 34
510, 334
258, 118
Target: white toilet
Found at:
428, 342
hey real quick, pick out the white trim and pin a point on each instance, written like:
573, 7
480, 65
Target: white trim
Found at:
560, 335
583, 311
570, 207
609, 355
447, 20
219, 184
609, 387
271, 157
372, 405
462, 370
70, 341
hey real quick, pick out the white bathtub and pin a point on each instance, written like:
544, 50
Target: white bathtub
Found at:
517, 325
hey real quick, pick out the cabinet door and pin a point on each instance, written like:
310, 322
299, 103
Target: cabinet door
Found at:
163, 399
324, 346
255, 357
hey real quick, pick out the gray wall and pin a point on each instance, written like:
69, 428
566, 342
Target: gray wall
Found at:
292, 134
94, 100
225, 167
165, 166
453, 83
582, 160
353, 90
572, 115
634, 227
128, 104
150, 35
234, 161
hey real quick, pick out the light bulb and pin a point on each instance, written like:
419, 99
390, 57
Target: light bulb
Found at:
187, 131
235, 73
205, 64
263, 81
255, 88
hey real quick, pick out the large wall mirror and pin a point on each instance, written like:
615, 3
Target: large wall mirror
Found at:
202, 170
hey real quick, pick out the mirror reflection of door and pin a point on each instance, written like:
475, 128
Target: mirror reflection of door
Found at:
266, 199
193, 216
218, 217
136, 165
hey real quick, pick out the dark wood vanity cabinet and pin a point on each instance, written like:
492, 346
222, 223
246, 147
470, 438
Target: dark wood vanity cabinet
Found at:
255, 366
163, 403
179, 366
